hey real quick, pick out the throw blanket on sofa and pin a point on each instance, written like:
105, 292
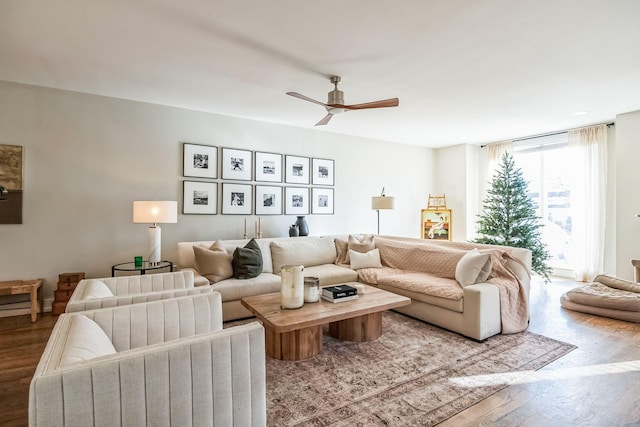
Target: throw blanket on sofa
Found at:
441, 258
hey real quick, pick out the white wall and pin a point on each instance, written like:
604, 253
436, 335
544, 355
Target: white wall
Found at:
88, 157
627, 202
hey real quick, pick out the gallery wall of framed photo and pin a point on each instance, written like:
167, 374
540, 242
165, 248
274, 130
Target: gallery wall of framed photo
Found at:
235, 181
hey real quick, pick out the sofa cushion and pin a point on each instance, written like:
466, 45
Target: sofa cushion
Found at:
307, 251
370, 259
235, 289
85, 340
96, 289
474, 267
363, 244
247, 261
445, 293
214, 263
331, 274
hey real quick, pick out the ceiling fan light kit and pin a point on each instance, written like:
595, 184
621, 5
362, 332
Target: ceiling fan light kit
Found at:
335, 102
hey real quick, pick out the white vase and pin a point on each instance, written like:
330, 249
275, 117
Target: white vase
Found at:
292, 286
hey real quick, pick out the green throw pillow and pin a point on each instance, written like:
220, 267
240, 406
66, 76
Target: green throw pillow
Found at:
247, 261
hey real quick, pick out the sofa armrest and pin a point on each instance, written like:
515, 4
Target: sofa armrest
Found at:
217, 378
481, 311
77, 304
198, 279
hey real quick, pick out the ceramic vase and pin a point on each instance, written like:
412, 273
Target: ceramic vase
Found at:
303, 227
293, 230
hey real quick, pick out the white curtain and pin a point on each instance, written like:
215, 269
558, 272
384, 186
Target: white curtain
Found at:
588, 199
494, 154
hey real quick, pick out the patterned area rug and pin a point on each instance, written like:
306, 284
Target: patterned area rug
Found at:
414, 374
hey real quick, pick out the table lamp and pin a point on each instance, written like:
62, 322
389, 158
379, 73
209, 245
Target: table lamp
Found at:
382, 202
155, 212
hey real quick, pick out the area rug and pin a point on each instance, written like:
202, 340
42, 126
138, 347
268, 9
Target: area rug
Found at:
414, 374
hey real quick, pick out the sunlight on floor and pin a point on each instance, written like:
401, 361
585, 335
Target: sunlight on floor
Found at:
522, 377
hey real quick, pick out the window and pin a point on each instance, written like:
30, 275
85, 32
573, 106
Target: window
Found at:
547, 167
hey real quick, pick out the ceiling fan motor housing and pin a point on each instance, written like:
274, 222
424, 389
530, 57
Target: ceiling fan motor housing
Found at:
336, 97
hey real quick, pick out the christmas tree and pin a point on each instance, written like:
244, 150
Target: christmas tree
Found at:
509, 218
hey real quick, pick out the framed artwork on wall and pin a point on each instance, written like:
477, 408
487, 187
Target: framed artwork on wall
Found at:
268, 167
322, 171
322, 201
268, 200
236, 164
297, 170
200, 161
199, 198
435, 224
296, 201
236, 199
11, 183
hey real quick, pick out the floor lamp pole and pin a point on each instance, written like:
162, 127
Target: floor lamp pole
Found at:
378, 210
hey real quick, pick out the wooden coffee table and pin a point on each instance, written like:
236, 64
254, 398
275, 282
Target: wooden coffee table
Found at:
297, 334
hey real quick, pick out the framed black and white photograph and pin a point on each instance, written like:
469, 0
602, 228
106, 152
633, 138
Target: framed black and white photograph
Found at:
236, 199
297, 170
236, 164
322, 171
296, 201
268, 167
200, 161
268, 200
200, 198
322, 201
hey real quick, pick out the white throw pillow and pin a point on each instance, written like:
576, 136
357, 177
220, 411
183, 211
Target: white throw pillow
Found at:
473, 267
85, 340
95, 289
370, 259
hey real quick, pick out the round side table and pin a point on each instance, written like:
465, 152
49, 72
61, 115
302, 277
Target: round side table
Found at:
146, 265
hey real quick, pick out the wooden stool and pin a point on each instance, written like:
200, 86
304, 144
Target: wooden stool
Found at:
32, 287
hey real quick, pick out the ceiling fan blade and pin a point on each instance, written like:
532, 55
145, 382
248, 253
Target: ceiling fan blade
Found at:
325, 120
392, 102
305, 98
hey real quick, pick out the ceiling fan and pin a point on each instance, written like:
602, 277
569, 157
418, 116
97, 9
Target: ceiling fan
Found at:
335, 103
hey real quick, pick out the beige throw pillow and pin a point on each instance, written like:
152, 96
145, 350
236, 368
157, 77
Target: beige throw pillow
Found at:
369, 260
213, 263
473, 267
96, 289
362, 245
85, 340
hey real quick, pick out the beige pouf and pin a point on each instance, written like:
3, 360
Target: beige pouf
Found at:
606, 296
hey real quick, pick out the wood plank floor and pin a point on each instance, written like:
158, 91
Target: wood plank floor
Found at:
598, 384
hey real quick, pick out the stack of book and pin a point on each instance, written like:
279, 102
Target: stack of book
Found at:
339, 293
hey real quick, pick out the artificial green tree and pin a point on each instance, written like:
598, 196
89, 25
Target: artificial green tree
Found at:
509, 218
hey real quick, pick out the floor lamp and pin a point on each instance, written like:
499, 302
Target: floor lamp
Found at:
382, 202
154, 213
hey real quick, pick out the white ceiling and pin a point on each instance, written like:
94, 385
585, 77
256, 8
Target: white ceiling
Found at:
466, 71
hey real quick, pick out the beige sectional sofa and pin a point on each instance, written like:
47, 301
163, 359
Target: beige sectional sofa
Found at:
315, 253
166, 362
421, 270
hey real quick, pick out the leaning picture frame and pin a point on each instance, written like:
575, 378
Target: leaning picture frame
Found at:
236, 164
322, 201
435, 224
268, 200
199, 198
322, 171
296, 170
199, 161
236, 199
296, 201
268, 167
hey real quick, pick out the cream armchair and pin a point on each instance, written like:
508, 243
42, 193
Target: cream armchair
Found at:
165, 362
91, 294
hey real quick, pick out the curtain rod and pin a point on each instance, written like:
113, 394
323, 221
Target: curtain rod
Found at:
555, 133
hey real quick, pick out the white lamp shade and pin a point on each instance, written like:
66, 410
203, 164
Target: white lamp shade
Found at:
383, 202
155, 212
